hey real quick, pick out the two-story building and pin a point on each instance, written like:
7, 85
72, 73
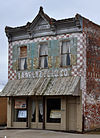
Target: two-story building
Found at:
54, 74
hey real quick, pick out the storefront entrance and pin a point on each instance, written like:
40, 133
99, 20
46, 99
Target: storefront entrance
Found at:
36, 112
49, 112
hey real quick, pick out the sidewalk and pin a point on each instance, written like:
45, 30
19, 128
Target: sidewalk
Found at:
30, 133
3, 127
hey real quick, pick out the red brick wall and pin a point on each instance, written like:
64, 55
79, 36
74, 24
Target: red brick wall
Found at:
92, 98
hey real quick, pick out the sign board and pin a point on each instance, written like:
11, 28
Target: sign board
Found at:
22, 114
44, 73
20, 104
55, 114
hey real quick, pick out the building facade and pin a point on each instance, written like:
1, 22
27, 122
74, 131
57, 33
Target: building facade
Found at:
54, 74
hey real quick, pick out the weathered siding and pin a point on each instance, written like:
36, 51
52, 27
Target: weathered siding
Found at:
3, 111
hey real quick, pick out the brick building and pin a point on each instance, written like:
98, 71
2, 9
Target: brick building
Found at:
54, 74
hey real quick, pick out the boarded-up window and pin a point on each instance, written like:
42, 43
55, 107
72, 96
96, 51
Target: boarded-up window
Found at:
43, 55
23, 58
23, 51
65, 53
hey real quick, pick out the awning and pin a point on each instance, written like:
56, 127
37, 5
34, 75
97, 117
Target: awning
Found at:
43, 86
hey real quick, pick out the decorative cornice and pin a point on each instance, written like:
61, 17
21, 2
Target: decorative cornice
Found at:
28, 29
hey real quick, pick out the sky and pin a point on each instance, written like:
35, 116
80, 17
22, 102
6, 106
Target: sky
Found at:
15, 13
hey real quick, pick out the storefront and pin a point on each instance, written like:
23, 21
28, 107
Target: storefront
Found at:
45, 109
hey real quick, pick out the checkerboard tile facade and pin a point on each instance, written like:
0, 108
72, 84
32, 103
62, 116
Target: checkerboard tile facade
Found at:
77, 70
11, 73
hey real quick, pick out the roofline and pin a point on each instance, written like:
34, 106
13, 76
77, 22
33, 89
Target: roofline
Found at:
84, 18
50, 21
77, 20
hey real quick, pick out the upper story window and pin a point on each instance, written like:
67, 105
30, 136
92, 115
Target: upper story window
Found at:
43, 55
23, 58
65, 53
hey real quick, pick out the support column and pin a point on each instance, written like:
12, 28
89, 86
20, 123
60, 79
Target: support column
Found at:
27, 112
63, 113
9, 112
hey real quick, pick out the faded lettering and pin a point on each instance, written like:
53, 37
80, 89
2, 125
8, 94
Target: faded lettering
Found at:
44, 73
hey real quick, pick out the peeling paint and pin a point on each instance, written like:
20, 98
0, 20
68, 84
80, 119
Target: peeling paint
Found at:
92, 102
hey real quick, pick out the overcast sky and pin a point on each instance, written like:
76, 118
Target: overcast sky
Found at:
18, 12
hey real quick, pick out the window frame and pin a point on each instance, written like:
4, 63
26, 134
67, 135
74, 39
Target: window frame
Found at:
22, 57
40, 116
18, 109
41, 56
61, 45
33, 116
52, 107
